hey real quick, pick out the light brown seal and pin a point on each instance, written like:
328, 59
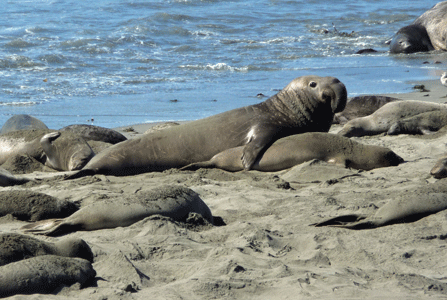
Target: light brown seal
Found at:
382, 119
175, 202
296, 149
406, 208
44, 274
424, 123
308, 103
15, 247
22, 122
428, 32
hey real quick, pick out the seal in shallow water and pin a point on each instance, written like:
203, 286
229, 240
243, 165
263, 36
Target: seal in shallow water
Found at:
426, 33
175, 202
296, 149
381, 120
308, 103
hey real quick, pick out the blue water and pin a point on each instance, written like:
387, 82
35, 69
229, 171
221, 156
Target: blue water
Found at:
126, 62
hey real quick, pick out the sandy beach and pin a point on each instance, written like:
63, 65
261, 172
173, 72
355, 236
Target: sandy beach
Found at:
263, 245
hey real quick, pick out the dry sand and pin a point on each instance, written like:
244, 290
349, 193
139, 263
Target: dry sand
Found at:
266, 249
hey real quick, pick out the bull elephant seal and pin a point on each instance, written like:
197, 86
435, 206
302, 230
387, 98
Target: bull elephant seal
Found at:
175, 202
361, 106
296, 149
15, 247
407, 208
71, 152
44, 274
424, 123
426, 33
22, 122
95, 133
7, 179
308, 103
381, 120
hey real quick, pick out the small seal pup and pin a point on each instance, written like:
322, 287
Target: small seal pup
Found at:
405, 209
22, 122
175, 202
428, 32
296, 149
424, 123
382, 119
306, 104
15, 247
44, 274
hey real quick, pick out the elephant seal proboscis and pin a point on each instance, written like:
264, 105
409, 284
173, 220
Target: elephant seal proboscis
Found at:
61, 151
382, 119
44, 274
8, 179
15, 247
361, 106
28, 205
66, 152
95, 133
296, 149
306, 104
175, 202
424, 123
22, 122
405, 209
428, 32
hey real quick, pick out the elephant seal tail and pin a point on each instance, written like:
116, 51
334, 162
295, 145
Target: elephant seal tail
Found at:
348, 221
80, 174
196, 166
44, 227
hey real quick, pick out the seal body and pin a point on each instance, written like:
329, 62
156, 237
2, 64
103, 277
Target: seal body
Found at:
426, 33
22, 122
175, 202
307, 104
381, 120
95, 133
44, 274
424, 123
296, 149
15, 247
7, 179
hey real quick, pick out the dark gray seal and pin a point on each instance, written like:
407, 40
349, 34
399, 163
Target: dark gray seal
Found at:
95, 133
175, 202
426, 33
8, 179
361, 106
425, 123
27, 205
308, 103
296, 149
15, 247
407, 208
22, 122
44, 274
382, 119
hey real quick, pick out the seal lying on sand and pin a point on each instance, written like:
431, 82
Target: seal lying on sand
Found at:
296, 149
28, 205
425, 123
15, 247
361, 106
22, 122
381, 120
439, 170
175, 202
95, 133
426, 33
7, 179
308, 103
44, 274
405, 209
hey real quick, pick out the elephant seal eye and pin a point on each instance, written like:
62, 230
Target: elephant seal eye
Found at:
312, 84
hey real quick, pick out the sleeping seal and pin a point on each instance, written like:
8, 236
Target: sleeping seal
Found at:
22, 122
175, 202
426, 33
424, 123
296, 149
308, 103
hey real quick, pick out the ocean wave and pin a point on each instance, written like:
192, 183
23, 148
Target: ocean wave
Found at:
24, 103
215, 67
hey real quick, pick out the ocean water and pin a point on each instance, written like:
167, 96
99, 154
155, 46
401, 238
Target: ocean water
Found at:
117, 63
